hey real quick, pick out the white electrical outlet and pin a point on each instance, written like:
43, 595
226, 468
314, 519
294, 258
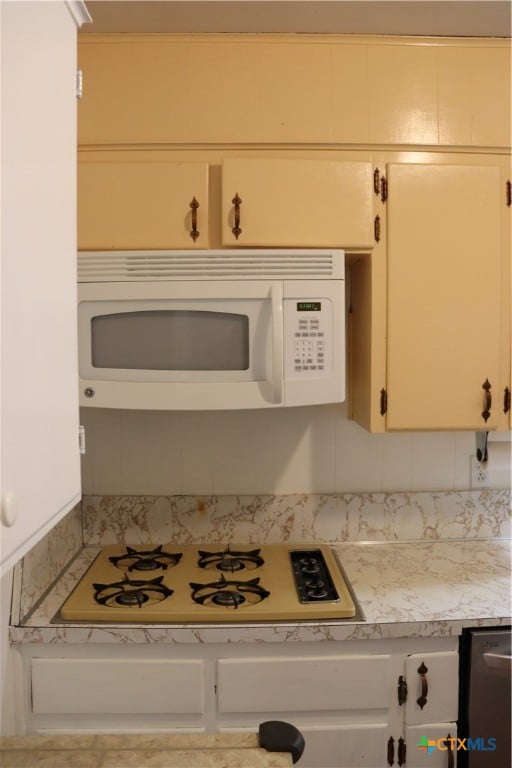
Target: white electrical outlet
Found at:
479, 478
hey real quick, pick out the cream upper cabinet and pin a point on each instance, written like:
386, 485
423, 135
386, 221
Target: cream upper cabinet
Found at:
39, 416
130, 203
444, 308
297, 202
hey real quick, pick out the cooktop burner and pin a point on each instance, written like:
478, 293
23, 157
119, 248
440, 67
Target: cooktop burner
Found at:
146, 560
131, 592
164, 584
231, 560
229, 594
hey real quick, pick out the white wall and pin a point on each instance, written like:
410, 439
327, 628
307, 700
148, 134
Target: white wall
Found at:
278, 451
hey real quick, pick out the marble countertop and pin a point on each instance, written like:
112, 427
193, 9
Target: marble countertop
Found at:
208, 750
405, 589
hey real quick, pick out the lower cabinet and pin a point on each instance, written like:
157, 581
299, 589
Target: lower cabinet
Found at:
358, 703
117, 687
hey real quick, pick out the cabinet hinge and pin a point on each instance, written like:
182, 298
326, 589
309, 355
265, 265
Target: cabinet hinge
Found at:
79, 84
401, 751
509, 193
81, 440
383, 402
402, 690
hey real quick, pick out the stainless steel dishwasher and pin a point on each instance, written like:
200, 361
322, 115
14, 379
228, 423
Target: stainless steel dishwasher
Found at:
485, 698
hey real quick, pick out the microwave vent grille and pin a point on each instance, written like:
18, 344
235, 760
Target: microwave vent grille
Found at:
121, 266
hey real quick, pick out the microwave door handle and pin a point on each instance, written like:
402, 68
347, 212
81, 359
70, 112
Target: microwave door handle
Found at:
276, 295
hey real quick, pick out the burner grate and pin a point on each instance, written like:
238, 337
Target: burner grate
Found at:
146, 560
228, 594
131, 592
230, 560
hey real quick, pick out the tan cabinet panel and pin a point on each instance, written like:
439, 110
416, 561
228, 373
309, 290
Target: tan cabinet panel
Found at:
141, 205
474, 96
133, 92
222, 99
444, 271
294, 92
403, 94
349, 97
293, 202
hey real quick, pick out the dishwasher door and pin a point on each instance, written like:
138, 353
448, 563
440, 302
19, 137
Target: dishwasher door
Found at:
486, 698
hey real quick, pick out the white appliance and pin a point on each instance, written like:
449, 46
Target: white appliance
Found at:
209, 330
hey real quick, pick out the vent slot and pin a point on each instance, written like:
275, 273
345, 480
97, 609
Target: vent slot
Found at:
120, 266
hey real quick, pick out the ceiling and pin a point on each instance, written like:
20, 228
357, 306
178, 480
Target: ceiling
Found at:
452, 18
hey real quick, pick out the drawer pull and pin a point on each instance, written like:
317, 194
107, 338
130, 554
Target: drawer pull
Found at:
376, 229
402, 751
487, 400
422, 672
237, 202
402, 690
376, 181
448, 744
194, 232
391, 751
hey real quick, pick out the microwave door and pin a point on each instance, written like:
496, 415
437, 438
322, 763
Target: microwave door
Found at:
197, 346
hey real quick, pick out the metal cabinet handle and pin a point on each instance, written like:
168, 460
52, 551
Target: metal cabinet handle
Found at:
451, 759
237, 202
402, 752
391, 751
402, 690
506, 400
487, 400
376, 181
376, 229
194, 232
422, 672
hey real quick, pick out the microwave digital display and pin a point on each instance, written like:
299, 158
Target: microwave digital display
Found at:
309, 306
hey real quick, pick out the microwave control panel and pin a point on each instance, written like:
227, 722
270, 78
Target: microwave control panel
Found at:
308, 338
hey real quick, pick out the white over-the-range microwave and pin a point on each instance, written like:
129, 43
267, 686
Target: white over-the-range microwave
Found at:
211, 330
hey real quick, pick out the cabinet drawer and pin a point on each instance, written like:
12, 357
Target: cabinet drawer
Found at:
293, 202
129, 686
131, 204
304, 684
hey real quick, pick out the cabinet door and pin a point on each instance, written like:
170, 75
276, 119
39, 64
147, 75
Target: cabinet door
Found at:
444, 271
107, 686
431, 746
351, 682
433, 687
128, 205
40, 458
293, 202
345, 746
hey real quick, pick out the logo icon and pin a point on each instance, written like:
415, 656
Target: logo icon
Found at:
427, 745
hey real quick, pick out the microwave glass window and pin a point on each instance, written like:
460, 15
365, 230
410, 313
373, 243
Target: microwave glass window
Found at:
171, 340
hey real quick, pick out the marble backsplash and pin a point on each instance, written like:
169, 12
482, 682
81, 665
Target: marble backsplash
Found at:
45, 562
140, 520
